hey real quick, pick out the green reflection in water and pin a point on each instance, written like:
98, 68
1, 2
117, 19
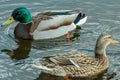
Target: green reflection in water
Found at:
24, 46
22, 52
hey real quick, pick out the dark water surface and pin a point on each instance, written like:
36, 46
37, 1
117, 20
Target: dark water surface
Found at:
16, 57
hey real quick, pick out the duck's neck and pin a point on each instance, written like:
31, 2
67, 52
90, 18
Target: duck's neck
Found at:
27, 22
100, 51
23, 31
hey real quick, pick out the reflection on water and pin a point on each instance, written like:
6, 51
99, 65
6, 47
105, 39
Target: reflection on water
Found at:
103, 16
44, 76
21, 52
24, 46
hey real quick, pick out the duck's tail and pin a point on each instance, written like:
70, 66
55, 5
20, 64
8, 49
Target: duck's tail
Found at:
80, 19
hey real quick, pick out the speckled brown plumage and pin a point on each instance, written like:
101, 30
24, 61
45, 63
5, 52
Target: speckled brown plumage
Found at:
88, 66
78, 64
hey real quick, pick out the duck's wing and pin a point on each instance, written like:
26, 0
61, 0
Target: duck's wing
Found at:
71, 58
61, 60
51, 14
55, 19
60, 12
55, 23
52, 20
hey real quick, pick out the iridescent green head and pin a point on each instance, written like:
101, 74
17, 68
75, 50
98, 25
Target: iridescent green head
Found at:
19, 14
22, 15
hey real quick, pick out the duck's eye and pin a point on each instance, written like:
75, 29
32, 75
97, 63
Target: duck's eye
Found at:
107, 37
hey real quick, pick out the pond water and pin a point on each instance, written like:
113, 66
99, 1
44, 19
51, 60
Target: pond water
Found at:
16, 57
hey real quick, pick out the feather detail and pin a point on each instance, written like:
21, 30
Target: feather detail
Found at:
54, 33
74, 63
42, 67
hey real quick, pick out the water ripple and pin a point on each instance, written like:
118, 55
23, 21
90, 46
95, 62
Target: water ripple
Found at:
103, 17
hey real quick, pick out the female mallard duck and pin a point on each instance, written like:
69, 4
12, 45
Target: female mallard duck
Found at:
47, 25
77, 64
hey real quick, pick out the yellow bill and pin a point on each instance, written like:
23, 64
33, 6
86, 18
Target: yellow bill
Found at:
9, 21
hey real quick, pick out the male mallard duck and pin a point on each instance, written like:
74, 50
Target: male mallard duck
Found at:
47, 25
77, 64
